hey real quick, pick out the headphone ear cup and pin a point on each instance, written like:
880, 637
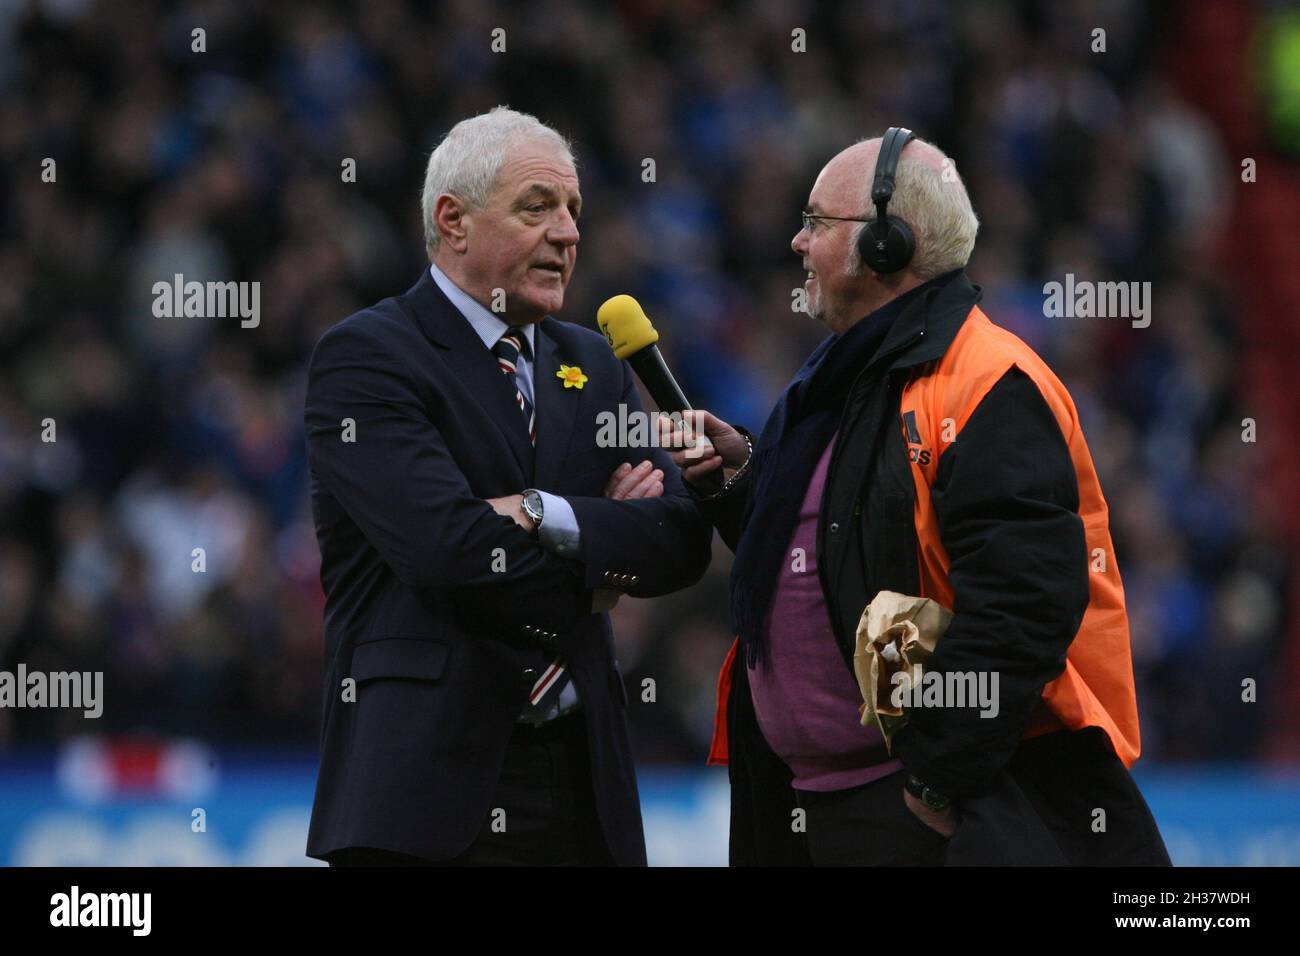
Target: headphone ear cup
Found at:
901, 244
886, 247
873, 245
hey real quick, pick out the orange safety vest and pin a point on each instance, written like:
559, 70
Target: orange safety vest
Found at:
1096, 689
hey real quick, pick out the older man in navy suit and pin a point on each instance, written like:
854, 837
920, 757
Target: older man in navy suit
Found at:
473, 533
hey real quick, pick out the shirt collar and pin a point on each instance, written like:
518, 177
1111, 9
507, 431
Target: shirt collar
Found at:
487, 326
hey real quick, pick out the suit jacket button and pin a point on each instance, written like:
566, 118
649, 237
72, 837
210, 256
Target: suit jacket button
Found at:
634, 579
609, 577
528, 677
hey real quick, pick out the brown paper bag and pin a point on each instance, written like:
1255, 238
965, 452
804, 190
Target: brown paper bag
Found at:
896, 633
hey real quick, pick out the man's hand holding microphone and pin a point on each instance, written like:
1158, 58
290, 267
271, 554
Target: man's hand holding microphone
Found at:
701, 444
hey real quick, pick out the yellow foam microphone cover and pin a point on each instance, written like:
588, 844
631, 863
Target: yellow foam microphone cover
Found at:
626, 328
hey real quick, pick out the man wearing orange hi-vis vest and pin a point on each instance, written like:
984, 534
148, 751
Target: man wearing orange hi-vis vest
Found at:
926, 453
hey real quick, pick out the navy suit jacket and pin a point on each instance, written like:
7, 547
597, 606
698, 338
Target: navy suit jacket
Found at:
443, 612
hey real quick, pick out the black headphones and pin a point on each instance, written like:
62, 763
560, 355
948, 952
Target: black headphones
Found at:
886, 243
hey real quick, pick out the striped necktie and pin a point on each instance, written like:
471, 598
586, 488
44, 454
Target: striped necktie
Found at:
545, 693
507, 352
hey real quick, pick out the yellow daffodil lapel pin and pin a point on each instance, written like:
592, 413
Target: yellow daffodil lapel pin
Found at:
572, 375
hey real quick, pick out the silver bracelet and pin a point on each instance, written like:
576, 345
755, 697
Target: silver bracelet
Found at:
731, 482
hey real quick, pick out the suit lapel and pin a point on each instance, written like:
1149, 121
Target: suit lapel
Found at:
475, 366
557, 407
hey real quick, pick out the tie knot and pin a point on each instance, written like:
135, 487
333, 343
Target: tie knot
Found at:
509, 347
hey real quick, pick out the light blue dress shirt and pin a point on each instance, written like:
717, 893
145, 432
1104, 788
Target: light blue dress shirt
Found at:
558, 531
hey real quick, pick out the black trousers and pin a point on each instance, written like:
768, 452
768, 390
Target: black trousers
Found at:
1065, 799
543, 811
868, 825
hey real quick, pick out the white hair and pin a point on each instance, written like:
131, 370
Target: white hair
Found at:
934, 203
469, 158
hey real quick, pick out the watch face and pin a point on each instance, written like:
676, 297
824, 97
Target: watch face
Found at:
934, 801
533, 505
929, 799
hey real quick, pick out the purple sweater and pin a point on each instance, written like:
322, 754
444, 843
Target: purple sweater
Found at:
806, 700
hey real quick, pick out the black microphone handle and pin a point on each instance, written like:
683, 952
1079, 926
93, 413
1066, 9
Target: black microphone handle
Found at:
651, 368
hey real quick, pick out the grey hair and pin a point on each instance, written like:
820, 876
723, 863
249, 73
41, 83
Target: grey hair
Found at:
934, 203
468, 160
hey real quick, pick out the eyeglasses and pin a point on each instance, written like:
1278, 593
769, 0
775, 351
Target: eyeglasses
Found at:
808, 219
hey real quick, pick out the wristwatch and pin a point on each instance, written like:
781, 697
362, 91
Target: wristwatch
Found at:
533, 505
931, 798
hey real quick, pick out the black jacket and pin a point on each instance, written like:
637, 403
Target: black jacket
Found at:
1007, 503
444, 612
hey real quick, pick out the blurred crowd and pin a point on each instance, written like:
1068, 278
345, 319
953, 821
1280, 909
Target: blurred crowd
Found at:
229, 164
